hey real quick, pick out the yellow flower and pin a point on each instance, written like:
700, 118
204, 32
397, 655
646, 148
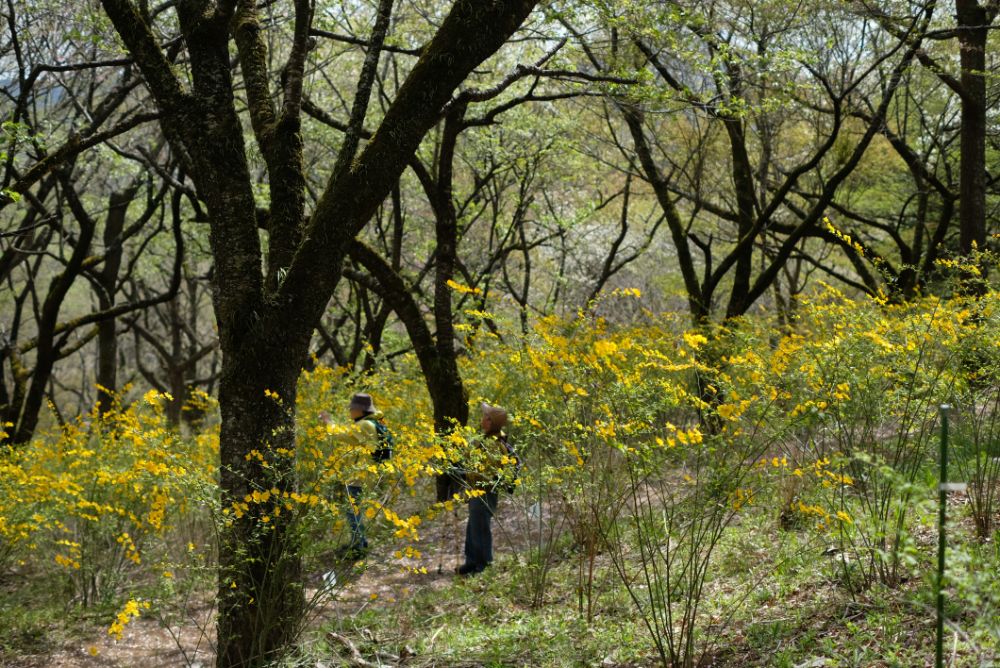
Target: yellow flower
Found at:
728, 411
604, 348
126, 615
694, 340
464, 289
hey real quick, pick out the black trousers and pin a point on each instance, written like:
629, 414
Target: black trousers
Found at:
479, 531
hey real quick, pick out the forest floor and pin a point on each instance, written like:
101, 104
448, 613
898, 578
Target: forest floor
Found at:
772, 602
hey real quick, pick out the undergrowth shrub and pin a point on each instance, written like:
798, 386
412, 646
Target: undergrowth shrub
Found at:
642, 444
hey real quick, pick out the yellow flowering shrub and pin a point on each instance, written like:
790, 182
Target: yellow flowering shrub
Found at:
828, 425
92, 496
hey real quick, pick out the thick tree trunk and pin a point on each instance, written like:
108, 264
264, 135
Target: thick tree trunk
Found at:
452, 404
107, 361
260, 591
743, 186
973, 30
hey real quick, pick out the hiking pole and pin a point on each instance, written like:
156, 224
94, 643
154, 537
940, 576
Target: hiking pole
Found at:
943, 488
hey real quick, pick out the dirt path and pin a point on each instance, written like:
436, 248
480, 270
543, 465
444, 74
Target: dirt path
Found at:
384, 581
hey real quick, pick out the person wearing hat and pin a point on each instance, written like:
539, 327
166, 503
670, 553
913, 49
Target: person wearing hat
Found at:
364, 434
487, 475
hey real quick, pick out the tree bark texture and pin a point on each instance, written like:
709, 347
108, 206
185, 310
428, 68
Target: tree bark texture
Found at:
265, 323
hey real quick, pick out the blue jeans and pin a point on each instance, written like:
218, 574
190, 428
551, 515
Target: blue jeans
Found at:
478, 531
354, 522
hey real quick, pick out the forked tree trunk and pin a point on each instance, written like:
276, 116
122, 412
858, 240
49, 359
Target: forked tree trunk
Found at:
265, 323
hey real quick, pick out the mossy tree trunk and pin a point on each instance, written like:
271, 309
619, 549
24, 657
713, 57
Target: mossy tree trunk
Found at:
267, 307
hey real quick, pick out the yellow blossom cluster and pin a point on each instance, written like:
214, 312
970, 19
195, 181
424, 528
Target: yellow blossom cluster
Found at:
96, 492
125, 615
816, 408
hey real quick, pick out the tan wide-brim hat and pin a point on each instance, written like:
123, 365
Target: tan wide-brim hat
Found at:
497, 415
362, 402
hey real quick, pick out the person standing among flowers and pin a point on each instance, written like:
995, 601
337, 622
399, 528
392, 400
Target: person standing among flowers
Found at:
366, 434
490, 471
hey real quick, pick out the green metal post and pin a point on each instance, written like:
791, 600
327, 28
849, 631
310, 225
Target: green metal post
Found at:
942, 516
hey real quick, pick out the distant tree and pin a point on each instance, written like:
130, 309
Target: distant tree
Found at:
973, 22
175, 347
759, 96
68, 219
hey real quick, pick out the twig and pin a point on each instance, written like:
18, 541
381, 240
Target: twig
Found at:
356, 658
430, 643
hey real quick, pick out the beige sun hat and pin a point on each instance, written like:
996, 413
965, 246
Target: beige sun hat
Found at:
497, 415
362, 402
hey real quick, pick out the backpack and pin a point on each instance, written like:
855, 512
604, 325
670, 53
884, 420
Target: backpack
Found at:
386, 441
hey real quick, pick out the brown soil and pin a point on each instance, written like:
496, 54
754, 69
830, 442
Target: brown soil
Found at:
383, 581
